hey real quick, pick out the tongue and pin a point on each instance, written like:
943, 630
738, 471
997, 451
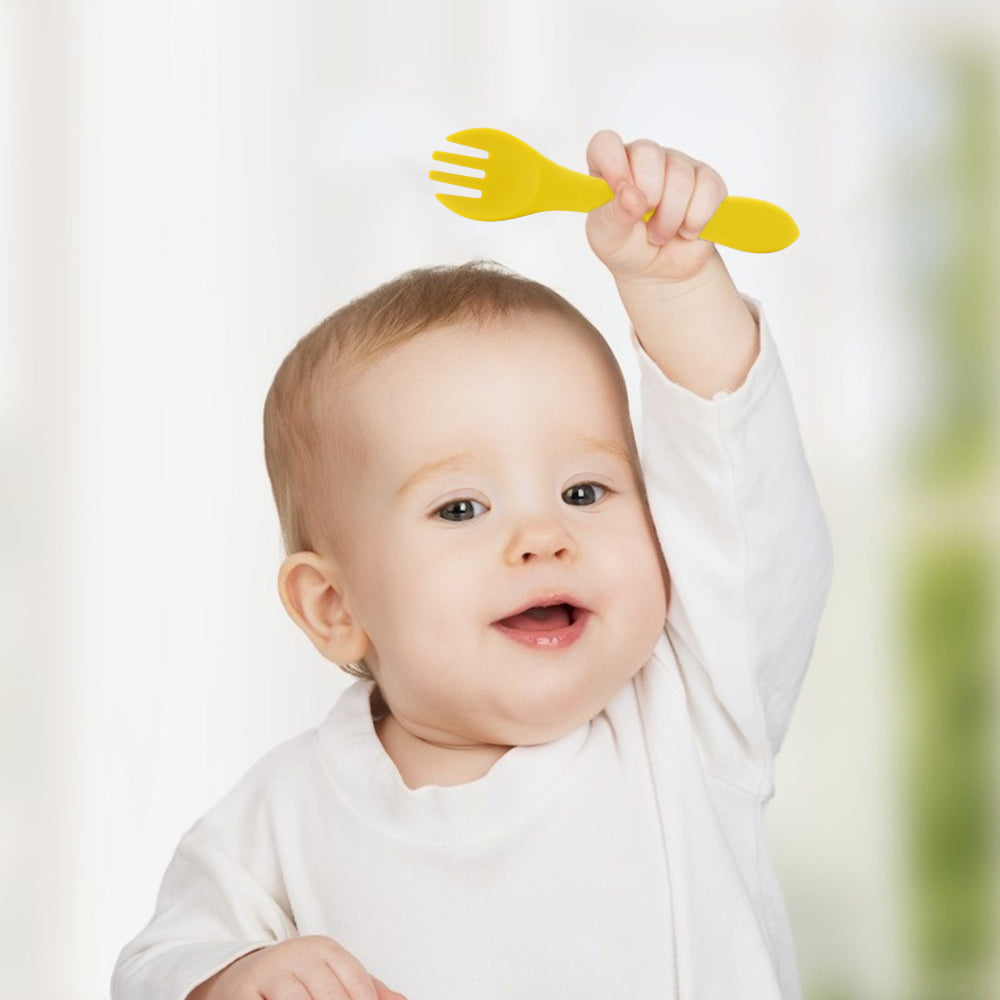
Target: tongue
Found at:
540, 619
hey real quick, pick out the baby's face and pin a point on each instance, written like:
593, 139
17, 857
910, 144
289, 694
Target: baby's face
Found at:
496, 476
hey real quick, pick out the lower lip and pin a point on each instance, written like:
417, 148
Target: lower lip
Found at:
558, 638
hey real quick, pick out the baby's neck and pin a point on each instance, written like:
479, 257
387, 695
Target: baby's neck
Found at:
421, 762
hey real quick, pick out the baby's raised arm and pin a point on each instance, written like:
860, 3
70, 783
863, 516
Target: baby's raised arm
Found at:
683, 304
736, 511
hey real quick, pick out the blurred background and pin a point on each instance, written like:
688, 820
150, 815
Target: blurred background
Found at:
187, 187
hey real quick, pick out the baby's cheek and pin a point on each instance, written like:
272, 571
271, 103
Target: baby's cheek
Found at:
648, 580
652, 550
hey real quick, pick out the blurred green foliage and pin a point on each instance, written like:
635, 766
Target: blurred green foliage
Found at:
957, 289
949, 598
948, 581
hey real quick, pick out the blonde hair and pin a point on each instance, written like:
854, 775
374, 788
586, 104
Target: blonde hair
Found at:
297, 420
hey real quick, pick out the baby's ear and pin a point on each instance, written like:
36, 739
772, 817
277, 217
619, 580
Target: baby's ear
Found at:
311, 590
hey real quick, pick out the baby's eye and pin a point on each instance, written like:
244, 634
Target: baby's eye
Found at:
582, 494
458, 510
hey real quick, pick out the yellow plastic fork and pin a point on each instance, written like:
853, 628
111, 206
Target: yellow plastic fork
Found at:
518, 181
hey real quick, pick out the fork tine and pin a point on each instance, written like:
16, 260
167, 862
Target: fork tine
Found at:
471, 137
471, 208
458, 160
461, 179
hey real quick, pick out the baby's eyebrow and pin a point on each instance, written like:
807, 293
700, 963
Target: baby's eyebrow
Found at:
613, 448
433, 468
463, 458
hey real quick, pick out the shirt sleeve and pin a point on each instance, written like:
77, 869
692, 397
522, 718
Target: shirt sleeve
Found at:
210, 911
748, 553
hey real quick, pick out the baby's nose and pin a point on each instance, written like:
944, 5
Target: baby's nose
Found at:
540, 539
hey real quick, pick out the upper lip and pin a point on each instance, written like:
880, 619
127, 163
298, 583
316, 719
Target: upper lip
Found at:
545, 599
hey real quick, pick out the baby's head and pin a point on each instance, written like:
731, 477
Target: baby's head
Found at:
444, 451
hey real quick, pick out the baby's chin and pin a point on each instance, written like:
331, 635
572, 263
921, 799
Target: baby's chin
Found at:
540, 719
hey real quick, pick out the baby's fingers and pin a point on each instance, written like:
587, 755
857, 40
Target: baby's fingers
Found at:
677, 180
709, 192
384, 993
607, 158
353, 980
283, 989
319, 983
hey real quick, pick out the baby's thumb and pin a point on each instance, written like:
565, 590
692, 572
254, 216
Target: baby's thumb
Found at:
627, 205
610, 225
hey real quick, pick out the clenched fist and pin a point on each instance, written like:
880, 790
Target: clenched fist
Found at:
684, 192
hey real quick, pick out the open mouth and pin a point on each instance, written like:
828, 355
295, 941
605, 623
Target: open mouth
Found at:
550, 624
543, 618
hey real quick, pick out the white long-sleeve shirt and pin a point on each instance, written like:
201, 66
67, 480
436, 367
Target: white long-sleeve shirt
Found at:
625, 859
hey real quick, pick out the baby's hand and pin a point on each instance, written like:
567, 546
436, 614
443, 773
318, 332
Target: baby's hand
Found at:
305, 968
643, 176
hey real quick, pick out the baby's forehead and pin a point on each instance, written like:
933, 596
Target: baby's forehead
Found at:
451, 381
515, 341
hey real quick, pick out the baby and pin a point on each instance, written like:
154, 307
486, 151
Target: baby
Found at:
548, 779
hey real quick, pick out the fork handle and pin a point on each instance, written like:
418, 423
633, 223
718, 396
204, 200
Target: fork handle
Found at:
748, 224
